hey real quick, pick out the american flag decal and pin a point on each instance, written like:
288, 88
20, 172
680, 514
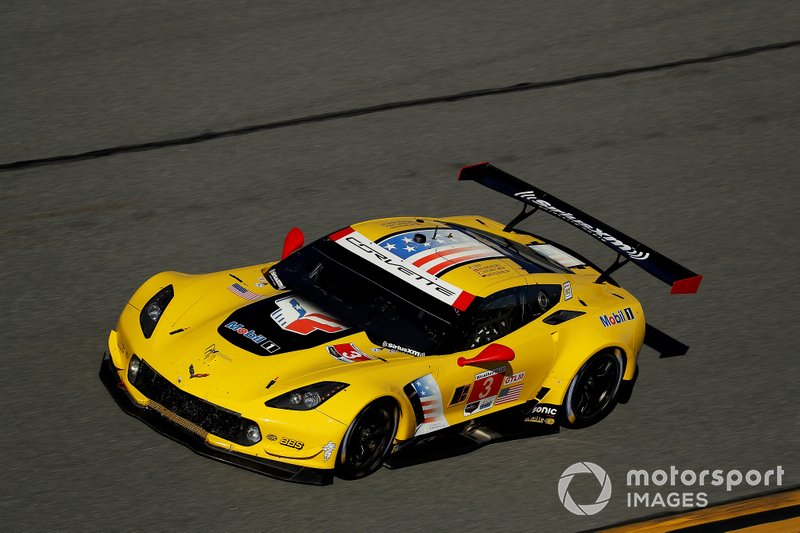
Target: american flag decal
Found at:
436, 256
240, 291
431, 398
509, 394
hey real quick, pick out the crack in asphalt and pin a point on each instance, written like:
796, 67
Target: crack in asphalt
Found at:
389, 106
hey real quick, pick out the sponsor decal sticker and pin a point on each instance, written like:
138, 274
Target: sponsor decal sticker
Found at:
291, 443
403, 349
543, 414
597, 233
485, 404
617, 317
386, 259
301, 317
432, 409
270, 436
484, 390
516, 378
241, 292
459, 395
275, 281
328, 450
211, 353
567, 286
261, 340
488, 270
348, 353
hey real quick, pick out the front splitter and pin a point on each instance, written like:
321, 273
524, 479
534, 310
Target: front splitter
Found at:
267, 467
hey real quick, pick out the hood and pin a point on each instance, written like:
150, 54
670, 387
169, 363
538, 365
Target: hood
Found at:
280, 324
262, 349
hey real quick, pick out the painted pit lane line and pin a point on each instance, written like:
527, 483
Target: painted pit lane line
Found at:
389, 106
776, 511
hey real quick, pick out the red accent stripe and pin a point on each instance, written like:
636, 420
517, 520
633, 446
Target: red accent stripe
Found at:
441, 266
341, 233
686, 285
437, 255
470, 166
463, 301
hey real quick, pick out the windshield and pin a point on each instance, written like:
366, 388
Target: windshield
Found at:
391, 312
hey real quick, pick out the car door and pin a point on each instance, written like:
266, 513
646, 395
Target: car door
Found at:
508, 318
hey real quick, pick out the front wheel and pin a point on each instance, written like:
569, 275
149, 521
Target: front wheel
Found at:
368, 439
592, 394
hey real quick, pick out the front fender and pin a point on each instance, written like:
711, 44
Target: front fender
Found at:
347, 404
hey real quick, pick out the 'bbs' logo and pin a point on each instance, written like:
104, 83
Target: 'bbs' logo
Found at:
291, 443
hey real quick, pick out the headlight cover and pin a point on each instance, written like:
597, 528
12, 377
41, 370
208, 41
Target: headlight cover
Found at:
153, 309
248, 434
133, 368
308, 397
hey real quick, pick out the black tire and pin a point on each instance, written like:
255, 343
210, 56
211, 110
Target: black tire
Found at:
593, 392
368, 440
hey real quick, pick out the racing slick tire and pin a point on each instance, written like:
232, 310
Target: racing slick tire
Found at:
368, 439
593, 392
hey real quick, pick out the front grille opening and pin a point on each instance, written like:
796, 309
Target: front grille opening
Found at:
211, 418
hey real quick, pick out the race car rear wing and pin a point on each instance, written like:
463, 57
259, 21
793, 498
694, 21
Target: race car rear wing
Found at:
681, 279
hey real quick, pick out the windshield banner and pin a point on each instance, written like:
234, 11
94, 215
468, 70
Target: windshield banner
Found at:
358, 244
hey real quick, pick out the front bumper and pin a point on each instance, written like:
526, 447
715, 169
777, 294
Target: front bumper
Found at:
284, 471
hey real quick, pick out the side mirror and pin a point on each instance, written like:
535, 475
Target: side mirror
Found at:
490, 354
294, 241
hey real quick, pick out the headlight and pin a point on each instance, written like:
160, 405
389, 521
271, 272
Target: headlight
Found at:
153, 310
133, 368
247, 434
253, 434
306, 398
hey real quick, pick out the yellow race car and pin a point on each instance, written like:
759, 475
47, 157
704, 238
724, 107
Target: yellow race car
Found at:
382, 333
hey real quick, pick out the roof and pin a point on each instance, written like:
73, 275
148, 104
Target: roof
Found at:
447, 249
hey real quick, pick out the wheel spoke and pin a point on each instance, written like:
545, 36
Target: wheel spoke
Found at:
583, 403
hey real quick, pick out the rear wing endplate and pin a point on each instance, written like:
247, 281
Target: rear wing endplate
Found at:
681, 279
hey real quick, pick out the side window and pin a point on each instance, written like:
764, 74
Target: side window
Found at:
539, 299
496, 316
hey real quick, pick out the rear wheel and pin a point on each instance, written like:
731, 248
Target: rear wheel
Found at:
592, 394
368, 440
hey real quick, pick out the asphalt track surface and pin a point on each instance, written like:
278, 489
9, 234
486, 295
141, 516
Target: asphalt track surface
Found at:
699, 161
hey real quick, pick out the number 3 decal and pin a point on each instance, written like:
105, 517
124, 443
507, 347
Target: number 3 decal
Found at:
487, 389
